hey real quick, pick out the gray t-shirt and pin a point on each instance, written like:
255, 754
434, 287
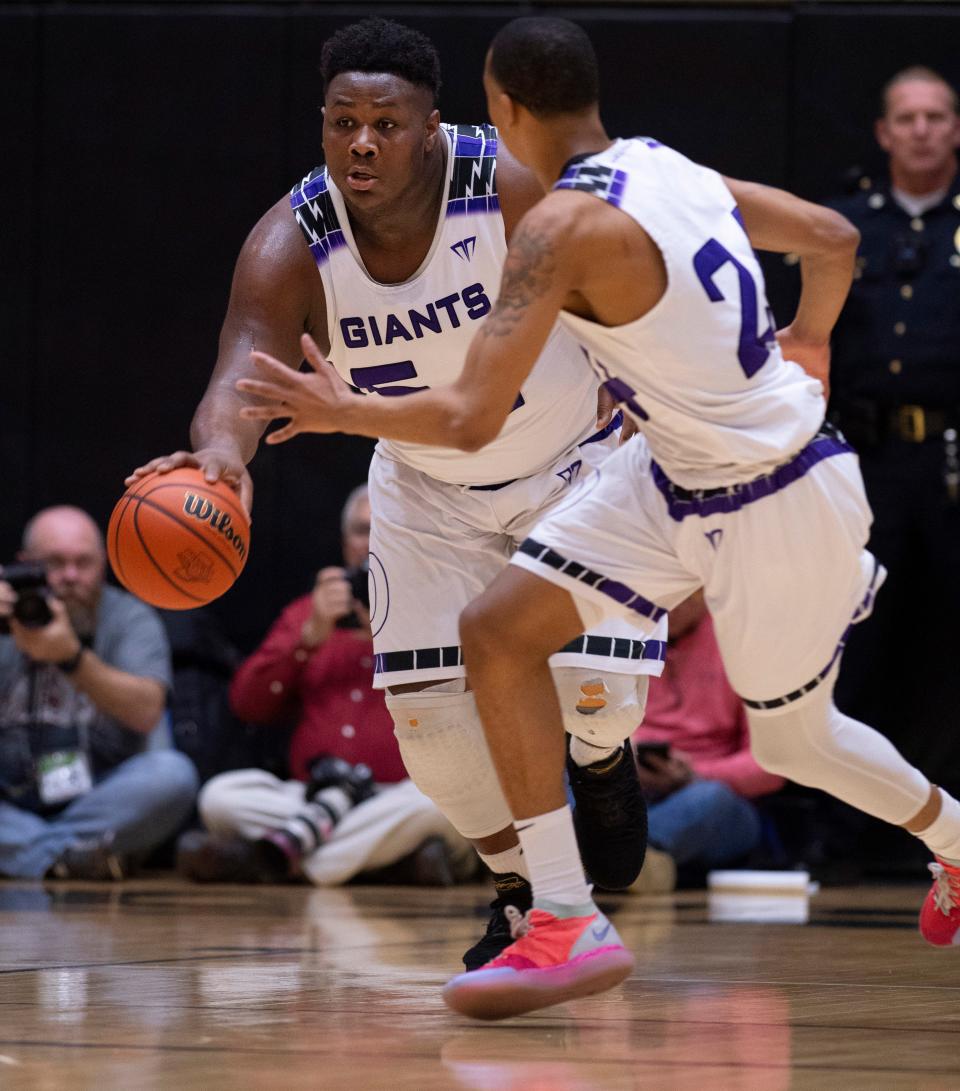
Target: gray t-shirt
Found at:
41, 711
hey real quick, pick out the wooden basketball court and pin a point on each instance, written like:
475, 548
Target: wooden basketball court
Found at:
160, 984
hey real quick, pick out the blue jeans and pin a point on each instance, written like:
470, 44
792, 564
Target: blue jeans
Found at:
705, 823
143, 802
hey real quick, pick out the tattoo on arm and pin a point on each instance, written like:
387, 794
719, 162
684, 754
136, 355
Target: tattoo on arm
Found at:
527, 275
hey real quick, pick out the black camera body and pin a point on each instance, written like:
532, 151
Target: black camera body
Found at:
29, 580
357, 577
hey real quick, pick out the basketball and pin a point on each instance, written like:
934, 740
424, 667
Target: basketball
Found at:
177, 541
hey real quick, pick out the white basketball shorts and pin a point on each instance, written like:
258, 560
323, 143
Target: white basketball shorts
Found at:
781, 559
434, 547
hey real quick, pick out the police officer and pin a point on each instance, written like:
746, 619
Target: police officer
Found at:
895, 379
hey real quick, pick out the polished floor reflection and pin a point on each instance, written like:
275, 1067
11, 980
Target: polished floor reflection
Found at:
157, 984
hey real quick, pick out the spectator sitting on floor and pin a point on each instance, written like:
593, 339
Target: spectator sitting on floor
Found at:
81, 689
350, 811
699, 795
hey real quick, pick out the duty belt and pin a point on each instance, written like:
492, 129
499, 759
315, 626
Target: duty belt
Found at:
868, 423
914, 423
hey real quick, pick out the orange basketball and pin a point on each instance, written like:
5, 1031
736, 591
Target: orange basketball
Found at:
178, 541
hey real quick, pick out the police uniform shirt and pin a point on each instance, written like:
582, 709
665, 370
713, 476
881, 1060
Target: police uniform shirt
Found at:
898, 339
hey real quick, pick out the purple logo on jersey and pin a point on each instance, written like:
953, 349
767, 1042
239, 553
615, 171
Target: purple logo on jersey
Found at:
714, 537
465, 247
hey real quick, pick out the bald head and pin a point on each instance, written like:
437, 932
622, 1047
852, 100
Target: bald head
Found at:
61, 521
70, 545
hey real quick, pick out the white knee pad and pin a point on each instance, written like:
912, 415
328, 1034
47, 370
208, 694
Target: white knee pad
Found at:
601, 708
446, 754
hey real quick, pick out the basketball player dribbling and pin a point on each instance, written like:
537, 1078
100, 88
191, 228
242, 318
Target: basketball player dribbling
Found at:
647, 259
406, 227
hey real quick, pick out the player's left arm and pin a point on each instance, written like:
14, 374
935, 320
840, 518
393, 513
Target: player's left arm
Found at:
826, 243
467, 414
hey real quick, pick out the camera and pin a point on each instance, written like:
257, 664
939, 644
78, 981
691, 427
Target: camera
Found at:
360, 590
29, 580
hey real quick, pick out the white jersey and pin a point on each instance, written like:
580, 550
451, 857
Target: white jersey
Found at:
701, 372
390, 339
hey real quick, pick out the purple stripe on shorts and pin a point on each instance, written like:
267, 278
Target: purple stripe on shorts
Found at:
683, 502
619, 592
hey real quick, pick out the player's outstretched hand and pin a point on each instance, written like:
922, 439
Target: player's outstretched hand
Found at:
308, 401
217, 465
814, 358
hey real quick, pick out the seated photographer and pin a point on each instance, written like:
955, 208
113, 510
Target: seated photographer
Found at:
84, 674
350, 809
693, 754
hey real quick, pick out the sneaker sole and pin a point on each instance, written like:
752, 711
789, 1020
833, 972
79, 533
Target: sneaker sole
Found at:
501, 993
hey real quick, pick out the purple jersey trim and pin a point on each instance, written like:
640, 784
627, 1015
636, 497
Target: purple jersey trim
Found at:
703, 502
604, 182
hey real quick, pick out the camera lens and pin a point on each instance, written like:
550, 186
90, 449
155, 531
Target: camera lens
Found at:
31, 609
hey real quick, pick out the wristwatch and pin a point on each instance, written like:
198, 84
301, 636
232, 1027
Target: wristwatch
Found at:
68, 666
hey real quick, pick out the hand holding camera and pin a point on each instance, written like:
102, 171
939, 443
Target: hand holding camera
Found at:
37, 621
339, 595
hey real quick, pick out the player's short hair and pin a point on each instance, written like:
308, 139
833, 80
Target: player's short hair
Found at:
916, 72
547, 65
381, 45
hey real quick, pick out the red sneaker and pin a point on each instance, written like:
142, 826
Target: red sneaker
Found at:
559, 953
940, 915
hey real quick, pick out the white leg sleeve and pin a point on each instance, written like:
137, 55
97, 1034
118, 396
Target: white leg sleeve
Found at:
600, 708
379, 832
248, 802
445, 751
814, 743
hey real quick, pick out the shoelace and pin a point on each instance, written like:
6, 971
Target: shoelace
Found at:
946, 891
519, 922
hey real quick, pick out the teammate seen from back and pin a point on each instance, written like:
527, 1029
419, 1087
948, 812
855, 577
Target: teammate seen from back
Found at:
390, 257
647, 259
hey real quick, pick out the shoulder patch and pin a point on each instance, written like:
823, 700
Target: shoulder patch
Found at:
314, 212
473, 182
604, 182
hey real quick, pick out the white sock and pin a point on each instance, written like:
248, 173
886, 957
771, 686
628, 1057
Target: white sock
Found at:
942, 836
550, 848
510, 860
585, 753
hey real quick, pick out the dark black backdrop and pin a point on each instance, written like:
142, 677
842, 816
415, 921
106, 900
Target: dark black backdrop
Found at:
142, 143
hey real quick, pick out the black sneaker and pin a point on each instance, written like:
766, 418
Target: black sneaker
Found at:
610, 817
512, 889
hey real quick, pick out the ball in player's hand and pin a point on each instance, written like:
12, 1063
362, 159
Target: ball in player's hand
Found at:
176, 540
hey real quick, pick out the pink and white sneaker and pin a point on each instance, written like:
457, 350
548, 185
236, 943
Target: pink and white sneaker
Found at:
940, 915
559, 953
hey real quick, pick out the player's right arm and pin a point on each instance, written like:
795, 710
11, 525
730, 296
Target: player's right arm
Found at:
275, 297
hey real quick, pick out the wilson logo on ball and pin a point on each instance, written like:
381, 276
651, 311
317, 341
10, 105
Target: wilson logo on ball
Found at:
206, 512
